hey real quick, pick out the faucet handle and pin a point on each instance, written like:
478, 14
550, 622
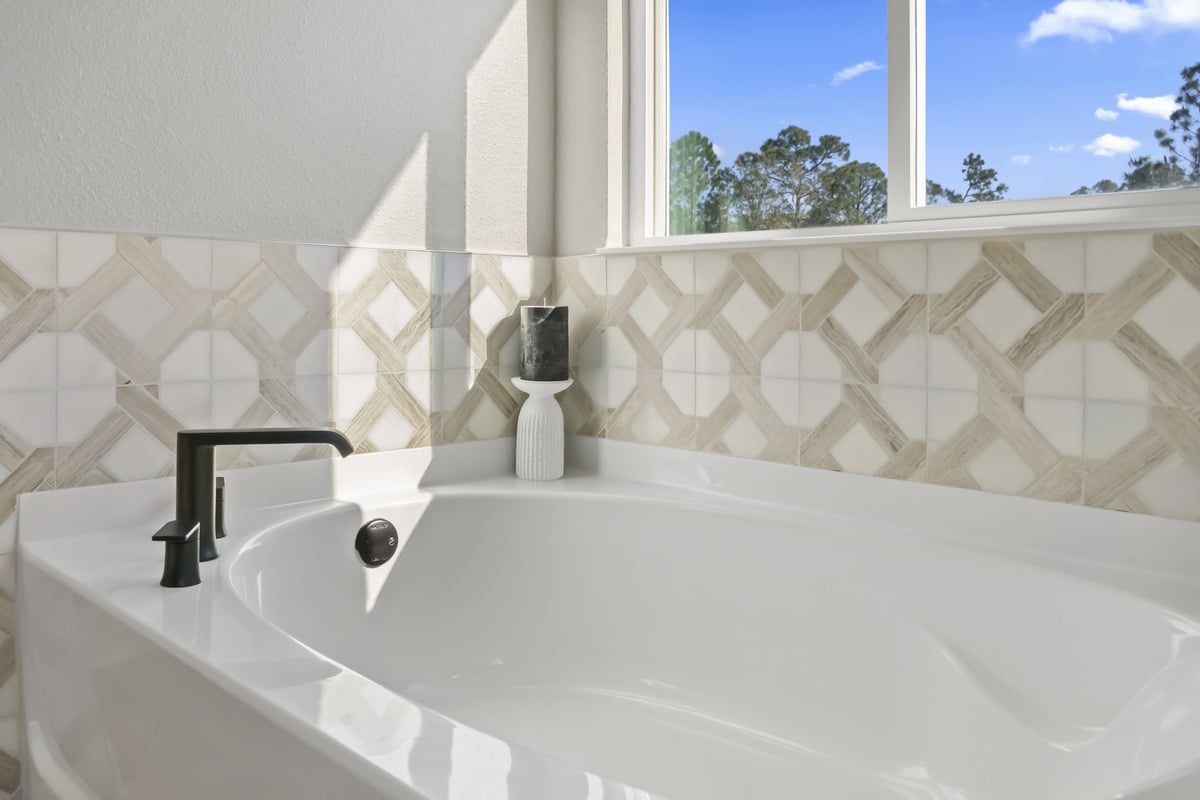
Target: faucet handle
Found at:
181, 564
219, 509
178, 531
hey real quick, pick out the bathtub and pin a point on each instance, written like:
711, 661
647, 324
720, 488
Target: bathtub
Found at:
655, 625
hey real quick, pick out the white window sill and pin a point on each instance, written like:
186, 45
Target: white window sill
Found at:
1042, 223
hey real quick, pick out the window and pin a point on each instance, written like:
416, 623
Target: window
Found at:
772, 115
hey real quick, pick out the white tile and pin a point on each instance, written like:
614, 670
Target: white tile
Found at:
861, 313
80, 255
681, 388
621, 383
450, 387
1112, 257
31, 365
320, 262
619, 270
317, 356
592, 355
450, 272
391, 431
1003, 315
529, 277
350, 394
783, 359
680, 354
487, 310
1058, 373
1171, 489
818, 399
1060, 259
783, 265
745, 312
907, 408
352, 353
949, 261
649, 311
232, 399
711, 267
783, 396
419, 382
949, 368
1112, 376
858, 452
191, 360
354, 266
817, 361
817, 264
231, 261
1110, 426
450, 350
1172, 317
1060, 421
79, 411
948, 412
29, 417
907, 263
999, 468
906, 365
420, 264
138, 311
230, 359
137, 456
710, 356
189, 402
743, 438
191, 258
277, 310
711, 390
316, 393
391, 310
31, 254
592, 270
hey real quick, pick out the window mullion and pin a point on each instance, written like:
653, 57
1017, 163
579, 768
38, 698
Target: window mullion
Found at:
906, 108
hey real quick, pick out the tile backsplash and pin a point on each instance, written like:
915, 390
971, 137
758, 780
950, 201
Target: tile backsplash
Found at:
111, 343
1064, 368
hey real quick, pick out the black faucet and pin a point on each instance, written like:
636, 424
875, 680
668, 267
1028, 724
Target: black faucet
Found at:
192, 536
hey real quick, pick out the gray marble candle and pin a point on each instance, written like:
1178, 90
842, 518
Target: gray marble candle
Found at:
544, 343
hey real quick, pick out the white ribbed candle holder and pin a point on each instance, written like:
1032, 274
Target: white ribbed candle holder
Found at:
540, 430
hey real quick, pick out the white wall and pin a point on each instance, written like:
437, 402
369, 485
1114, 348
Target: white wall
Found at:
392, 122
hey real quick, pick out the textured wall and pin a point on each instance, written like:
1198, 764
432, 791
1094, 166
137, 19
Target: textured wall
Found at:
109, 344
389, 122
1059, 367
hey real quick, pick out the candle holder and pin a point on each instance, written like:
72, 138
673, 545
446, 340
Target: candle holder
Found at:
544, 373
540, 439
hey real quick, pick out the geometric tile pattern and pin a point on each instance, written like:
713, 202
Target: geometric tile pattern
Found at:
1060, 368
476, 327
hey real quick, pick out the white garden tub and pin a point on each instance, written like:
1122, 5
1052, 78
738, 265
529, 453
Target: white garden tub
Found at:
712, 630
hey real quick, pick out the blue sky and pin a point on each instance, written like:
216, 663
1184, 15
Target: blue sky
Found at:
1035, 86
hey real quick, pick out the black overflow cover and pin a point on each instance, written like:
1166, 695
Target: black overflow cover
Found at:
376, 542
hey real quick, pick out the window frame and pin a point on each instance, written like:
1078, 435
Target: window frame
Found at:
647, 148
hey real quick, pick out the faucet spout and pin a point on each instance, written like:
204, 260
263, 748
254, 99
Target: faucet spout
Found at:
195, 476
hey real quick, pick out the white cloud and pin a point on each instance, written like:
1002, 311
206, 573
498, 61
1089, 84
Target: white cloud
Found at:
1106, 114
853, 72
1162, 106
1099, 20
1023, 160
720, 151
1110, 145
1061, 148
